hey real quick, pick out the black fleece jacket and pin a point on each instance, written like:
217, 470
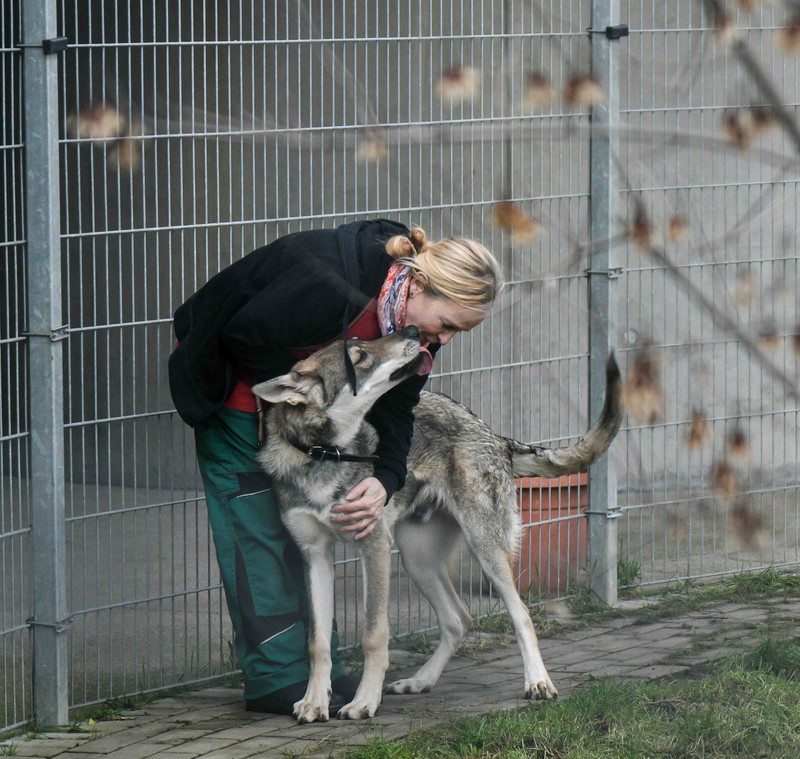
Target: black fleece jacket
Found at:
293, 293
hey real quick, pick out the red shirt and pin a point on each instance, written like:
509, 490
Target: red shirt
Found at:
364, 327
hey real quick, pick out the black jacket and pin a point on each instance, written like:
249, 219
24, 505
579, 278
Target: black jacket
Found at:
292, 293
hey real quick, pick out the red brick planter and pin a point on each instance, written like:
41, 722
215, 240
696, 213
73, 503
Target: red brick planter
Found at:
553, 543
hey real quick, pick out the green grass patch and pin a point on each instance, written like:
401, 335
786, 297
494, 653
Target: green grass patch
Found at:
745, 706
684, 596
629, 574
780, 657
114, 708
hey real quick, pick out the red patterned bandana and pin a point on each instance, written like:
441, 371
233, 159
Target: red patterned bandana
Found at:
392, 303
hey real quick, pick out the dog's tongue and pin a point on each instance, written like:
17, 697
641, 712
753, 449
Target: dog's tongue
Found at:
427, 361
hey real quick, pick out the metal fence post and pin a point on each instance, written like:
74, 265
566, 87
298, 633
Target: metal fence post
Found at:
603, 273
40, 48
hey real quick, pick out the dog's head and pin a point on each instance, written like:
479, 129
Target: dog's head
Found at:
322, 381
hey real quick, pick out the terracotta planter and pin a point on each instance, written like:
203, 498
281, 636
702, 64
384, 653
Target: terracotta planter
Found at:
553, 543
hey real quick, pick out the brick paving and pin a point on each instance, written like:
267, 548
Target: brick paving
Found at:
211, 723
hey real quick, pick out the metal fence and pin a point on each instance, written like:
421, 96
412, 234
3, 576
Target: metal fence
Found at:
169, 139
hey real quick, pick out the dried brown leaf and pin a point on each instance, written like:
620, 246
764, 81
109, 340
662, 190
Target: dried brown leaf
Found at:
788, 38
583, 90
510, 218
372, 150
763, 119
724, 479
124, 155
768, 337
677, 228
100, 123
641, 392
725, 29
738, 128
747, 527
698, 430
737, 445
538, 91
642, 231
459, 83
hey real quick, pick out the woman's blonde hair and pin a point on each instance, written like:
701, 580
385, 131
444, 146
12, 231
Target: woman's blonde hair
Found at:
455, 268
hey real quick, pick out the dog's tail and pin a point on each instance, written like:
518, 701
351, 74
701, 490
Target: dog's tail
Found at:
535, 461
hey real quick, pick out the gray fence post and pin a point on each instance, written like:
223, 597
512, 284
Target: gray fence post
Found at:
49, 620
603, 273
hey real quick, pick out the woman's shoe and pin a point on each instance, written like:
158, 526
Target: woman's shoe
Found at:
282, 701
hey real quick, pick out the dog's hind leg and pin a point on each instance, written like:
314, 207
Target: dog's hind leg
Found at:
495, 560
538, 684
426, 549
376, 562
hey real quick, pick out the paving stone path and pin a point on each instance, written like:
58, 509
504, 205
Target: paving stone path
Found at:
212, 723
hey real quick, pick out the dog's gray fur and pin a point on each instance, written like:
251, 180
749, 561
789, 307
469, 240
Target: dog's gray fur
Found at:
460, 484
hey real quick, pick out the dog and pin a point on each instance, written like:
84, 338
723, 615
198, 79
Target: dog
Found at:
460, 484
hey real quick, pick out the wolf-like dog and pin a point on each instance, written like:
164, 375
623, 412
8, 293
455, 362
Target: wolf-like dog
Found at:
460, 483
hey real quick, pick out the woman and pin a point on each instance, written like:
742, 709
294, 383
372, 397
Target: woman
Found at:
252, 322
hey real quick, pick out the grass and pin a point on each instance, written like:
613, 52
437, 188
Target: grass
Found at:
115, 708
780, 657
683, 596
745, 587
746, 706
83, 719
629, 574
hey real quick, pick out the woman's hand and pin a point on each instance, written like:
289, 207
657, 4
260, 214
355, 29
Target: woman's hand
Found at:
363, 508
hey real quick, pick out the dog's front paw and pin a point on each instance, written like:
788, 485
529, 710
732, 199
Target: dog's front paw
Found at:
307, 710
544, 690
359, 709
409, 685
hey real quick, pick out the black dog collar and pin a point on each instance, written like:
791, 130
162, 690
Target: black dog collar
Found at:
331, 453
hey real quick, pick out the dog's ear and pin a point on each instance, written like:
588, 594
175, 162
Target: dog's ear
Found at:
290, 388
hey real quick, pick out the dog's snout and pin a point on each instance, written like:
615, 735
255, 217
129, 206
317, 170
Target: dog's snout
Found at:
411, 332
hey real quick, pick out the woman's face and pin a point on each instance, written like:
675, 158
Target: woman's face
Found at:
438, 319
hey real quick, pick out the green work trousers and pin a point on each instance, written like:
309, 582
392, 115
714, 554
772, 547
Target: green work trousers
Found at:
260, 565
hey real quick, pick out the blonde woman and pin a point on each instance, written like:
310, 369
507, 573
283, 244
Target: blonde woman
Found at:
252, 322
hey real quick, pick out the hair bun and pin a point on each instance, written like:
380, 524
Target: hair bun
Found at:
418, 239
407, 246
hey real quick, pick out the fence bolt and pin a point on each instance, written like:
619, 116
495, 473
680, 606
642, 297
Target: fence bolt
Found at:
59, 627
49, 46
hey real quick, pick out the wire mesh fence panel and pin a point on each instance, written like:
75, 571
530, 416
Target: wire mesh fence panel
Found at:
709, 327
15, 507
193, 132
144, 589
196, 132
